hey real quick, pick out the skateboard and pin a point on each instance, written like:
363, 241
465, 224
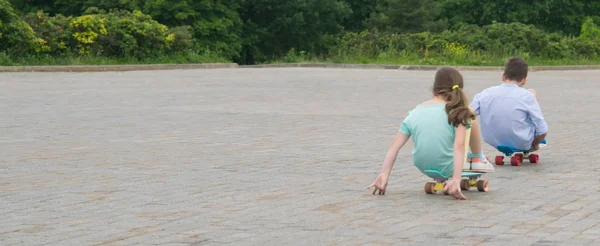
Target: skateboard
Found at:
516, 155
469, 179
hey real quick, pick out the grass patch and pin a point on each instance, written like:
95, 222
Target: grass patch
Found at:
491, 61
415, 58
46, 60
391, 58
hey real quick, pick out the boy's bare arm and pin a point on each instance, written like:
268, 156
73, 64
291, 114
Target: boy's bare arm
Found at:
537, 118
537, 140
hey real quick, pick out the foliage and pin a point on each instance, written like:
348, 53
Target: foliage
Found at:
15, 35
361, 12
468, 43
86, 30
45, 59
563, 16
273, 27
79, 7
406, 16
180, 38
590, 30
73, 7
216, 23
258, 31
55, 31
133, 34
117, 34
294, 57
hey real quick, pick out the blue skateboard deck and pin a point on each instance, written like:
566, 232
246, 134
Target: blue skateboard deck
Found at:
516, 156
507, 150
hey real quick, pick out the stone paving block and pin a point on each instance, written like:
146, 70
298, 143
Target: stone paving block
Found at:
525, 241
587, 236
562, 236
574, 241
503, 238
583, 224
157, 239
592, 230
489, 231
428, 240
561, 223
547, 243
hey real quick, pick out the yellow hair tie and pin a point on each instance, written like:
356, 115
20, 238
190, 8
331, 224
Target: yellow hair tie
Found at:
455, 87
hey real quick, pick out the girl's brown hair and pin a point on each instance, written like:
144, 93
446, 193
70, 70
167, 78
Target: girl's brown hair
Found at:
449, 86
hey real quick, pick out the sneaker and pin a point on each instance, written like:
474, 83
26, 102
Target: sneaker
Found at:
478, 164
543, 144
481, 165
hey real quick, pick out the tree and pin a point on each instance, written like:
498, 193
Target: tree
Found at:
16, 37
361, 11
273, 27
78, 7
73, 7
564, 16
406, 16
29, 6
216, 23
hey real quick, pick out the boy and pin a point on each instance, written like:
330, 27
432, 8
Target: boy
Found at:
510, 114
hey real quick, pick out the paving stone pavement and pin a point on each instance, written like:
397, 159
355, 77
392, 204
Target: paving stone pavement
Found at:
273, 157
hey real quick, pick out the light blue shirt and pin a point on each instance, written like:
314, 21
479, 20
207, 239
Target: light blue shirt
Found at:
509, 115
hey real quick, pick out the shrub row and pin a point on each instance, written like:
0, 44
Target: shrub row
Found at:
118, 33
498, 38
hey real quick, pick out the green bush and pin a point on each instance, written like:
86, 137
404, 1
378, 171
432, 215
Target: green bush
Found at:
470, 42
293, 57
590, 30
216, 25
133, 34
115, 34
55, 32
583, 47
16, 36
180, 39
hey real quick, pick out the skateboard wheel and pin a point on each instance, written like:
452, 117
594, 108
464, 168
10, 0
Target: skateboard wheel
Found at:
464, 184
534, 158
515, 161
499, 160
483, 185
520, 156
429, 187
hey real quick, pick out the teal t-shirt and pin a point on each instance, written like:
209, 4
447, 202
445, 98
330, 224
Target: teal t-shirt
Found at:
433, 138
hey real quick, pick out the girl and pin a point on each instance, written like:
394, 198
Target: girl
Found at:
439, 128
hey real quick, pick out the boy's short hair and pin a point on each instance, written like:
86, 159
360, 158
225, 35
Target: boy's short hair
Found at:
515, 69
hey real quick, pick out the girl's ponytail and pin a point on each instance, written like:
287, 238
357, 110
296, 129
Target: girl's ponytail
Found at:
458, 109
449, 85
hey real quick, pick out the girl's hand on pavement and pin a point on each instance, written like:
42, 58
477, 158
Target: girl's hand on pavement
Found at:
453, 188
380, 184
